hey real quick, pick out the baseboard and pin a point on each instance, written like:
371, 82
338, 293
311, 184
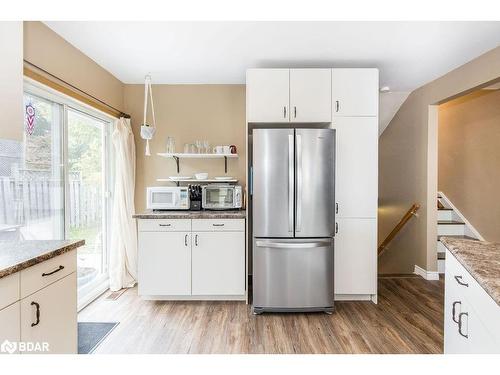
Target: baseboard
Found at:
427, 275
353, 297
468, 226
196, 298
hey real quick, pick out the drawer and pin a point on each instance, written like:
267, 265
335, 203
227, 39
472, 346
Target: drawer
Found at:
40, 275
9, 290
486, 309
218, 225
164, 225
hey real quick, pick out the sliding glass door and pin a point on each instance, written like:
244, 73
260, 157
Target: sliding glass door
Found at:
32, 175
57, 182
86, 198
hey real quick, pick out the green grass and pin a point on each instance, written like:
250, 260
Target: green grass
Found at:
89, 234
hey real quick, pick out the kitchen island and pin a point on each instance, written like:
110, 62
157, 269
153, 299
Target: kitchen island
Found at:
192, 255
38, 296
472, 296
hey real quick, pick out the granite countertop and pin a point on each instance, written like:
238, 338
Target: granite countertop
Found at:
18, 255
237, 214
481, 259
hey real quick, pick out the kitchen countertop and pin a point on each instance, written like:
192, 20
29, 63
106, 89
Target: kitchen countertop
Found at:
236, 214
18, 255
481, 259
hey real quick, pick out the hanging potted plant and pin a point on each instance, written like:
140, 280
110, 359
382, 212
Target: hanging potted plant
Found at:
147, 130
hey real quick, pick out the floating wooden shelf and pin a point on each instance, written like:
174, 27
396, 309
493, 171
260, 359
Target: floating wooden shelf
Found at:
177, 156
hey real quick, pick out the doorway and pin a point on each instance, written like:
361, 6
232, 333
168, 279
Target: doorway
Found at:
60, 182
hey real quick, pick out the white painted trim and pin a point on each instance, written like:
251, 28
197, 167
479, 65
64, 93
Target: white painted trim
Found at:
352, 297
468, 225
427, 275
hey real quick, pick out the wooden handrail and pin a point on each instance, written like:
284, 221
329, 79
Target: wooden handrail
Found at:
407, 216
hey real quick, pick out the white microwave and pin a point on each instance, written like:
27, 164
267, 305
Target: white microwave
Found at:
221, 197
167, 198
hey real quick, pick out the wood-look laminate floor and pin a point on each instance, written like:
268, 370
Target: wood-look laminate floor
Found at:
407, 319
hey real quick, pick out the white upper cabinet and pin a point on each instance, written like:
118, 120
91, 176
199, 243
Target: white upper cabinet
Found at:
310, 95
268, 95
356, 190
355, 92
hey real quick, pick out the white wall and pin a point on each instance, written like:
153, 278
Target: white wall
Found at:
11, 80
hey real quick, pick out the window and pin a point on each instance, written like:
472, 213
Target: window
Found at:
56, 182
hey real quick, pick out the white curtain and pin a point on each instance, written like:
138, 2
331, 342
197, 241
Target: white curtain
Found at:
123, 251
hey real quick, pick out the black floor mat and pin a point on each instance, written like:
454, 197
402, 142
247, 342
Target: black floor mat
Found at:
91, 334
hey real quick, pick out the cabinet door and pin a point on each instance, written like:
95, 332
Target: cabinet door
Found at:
9, 324
57, 322
164, 263
356, 256
356, 183
454, 304
219, 263
268, 95
310, 95
355, 92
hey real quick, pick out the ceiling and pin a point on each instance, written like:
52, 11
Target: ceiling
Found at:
408, 54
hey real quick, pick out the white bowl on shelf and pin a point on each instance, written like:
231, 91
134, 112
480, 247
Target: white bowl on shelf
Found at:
201, 176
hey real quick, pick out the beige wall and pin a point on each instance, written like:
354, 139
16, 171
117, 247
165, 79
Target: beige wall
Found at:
408, 165
11, 80
49, 51
187, 113
469, 158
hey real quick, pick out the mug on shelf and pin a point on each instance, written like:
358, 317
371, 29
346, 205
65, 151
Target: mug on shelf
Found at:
218, 149
226, 149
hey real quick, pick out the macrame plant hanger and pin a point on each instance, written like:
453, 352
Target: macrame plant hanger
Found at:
148, 131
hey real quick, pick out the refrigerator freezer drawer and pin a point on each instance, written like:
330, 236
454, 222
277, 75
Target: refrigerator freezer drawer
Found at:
293, 274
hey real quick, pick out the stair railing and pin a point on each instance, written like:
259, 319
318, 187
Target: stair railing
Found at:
407, 216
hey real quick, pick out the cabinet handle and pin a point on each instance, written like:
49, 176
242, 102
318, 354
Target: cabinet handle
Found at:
295, 111
336, 228
53, 272
460, 324
336, 208
218, 225
337, 105
459, 280
37, 313
196, 240
453, 310
185, 240
284, 111
164, 225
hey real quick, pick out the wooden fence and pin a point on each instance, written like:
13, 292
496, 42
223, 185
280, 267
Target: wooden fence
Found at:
25, 200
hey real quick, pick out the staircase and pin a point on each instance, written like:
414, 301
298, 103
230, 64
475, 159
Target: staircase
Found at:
450, 224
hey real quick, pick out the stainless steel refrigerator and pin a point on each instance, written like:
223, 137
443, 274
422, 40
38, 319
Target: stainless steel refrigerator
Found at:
293, 198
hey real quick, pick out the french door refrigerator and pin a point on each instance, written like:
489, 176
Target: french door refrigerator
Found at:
293, 195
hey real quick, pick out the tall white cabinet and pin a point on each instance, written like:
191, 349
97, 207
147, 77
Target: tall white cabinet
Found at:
355, 119
346, 100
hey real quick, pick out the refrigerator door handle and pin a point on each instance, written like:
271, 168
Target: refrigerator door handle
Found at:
299, 183
290, 182
293, 245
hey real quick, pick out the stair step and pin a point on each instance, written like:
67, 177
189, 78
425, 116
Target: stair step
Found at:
445, 209
462, 237
450, 222
441, 265
441, 256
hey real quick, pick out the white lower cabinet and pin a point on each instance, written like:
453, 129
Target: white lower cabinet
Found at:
49, 316
355, 258
42, 314
164, 263
471, 316
218, 264
9, 325
207, 262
